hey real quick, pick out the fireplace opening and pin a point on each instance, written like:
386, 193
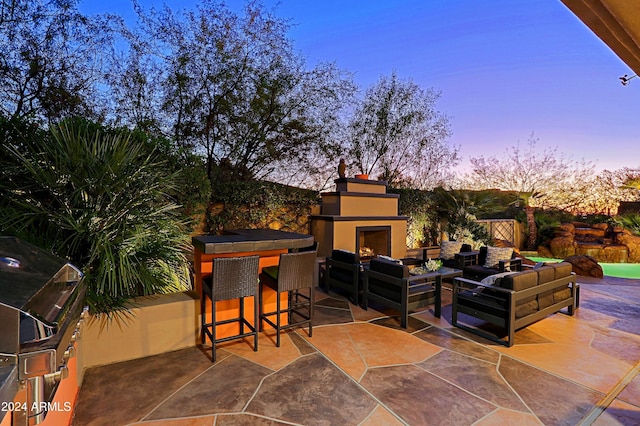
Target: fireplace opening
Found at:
372, 241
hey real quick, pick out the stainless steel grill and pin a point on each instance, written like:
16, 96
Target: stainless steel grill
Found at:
41, 306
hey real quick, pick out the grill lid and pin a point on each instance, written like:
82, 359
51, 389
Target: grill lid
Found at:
36, 283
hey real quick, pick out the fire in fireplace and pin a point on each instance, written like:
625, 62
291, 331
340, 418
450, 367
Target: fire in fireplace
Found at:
373, 240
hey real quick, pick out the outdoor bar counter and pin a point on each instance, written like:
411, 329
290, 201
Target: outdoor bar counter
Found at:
266, 243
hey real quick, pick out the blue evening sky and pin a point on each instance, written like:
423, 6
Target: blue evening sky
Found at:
505, 69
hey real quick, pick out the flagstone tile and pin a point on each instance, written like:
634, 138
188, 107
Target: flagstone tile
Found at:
124, 392
577, 363
380, 346
245, 419
454, 342
189, 421
506, 417
323, 315
268, 355
619, 413
631, 393
478, 377
224, 388
312, 391
381, 417
420, 398
554, 400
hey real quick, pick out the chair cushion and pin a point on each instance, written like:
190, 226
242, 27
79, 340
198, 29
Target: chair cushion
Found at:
345, 256
478, 272
448, 249
496, 254
389, 268
271, 271
390, 259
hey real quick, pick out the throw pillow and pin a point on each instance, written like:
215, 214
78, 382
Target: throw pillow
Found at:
496, 254
448, 249
390, 259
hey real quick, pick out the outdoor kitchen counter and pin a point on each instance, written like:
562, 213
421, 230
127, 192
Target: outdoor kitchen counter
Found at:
250, 240
269, 244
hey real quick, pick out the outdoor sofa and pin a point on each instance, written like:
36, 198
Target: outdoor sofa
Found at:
514, 300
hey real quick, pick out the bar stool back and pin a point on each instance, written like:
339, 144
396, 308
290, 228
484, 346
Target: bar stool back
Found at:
293, 273
231, 278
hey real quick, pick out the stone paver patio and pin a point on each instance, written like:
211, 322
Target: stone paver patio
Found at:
360, 368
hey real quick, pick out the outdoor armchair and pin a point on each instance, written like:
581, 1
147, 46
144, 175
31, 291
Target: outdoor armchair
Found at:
391, 285
343, 271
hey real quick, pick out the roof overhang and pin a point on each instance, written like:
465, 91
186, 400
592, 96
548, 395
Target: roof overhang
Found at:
615, 22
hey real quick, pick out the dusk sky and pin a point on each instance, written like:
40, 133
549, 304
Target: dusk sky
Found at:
505, 69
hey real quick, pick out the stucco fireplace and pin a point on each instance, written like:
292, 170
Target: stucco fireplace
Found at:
360, 216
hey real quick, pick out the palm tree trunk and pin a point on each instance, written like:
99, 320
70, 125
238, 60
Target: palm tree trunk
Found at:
531, 224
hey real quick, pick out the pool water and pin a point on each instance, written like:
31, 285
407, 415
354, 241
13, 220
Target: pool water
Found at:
621, 270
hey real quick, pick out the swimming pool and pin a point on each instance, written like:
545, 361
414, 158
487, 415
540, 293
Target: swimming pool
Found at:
621, 270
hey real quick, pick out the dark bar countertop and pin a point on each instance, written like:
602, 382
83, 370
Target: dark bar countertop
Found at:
250, 240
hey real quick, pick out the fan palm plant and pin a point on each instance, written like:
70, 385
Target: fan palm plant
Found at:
101, 199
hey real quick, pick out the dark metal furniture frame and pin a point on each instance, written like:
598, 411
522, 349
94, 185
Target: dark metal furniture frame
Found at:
231, 278
497, 305
402, 294
343, 271
294, 272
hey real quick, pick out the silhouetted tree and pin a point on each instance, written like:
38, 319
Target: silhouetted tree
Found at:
230, 87
396, 134
541, 176
52, 61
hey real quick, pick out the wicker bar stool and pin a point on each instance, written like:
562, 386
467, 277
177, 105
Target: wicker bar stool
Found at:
293, 273
231, 278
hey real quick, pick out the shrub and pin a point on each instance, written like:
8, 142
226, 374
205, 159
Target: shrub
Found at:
101, 199
630, 221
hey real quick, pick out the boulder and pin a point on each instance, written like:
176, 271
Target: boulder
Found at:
589, 249
585, 266
565, 230
603, 226
633, 245
562, 247
544, 251
614, 254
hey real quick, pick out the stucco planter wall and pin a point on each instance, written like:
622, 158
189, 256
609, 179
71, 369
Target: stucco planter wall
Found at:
155, 325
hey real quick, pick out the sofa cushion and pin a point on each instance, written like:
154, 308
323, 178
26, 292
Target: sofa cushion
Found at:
522, 281
496, 254
448, 249
389, 268
545, 274
562, 270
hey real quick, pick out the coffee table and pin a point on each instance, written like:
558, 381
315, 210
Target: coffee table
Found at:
449, 273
